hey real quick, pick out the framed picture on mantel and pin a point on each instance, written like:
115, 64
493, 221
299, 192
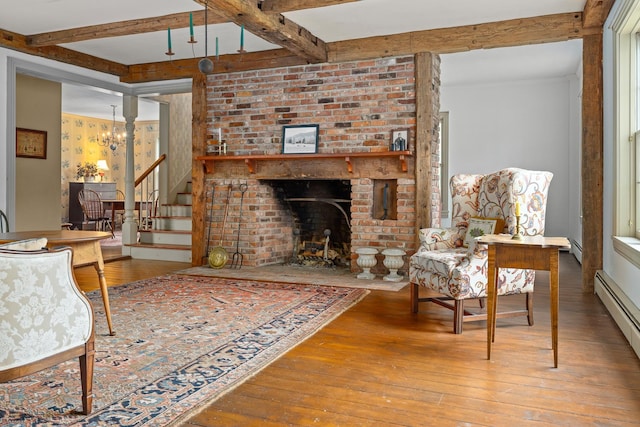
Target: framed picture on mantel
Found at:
399, 140
300, 139
31, 143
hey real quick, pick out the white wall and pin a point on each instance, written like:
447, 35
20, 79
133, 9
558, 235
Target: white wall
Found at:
526, 124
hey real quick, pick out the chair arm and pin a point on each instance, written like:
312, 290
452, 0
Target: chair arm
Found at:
440, 238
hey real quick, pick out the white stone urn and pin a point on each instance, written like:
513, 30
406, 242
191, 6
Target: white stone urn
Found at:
366, 260
393, 261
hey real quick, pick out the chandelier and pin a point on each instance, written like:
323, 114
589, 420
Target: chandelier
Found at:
205, 65
114, 138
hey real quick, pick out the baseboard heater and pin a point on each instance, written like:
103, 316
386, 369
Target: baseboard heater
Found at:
576, 250
621, 308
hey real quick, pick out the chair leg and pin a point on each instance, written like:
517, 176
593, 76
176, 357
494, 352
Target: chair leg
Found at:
458, 316
86, 378
414, 297
530, 308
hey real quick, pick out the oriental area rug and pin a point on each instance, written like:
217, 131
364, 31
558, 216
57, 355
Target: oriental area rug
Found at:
181, 342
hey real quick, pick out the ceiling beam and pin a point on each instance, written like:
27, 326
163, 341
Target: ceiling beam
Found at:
18, 42
515, 32
160, 23
289, 5
274, 28
122, 28
186, 68
595, 13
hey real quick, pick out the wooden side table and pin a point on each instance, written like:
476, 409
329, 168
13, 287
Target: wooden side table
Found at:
530, 252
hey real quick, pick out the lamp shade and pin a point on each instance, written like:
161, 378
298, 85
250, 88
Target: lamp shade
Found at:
102, 165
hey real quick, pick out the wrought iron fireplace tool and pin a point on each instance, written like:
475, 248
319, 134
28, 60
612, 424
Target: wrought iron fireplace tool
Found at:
206, 252
237, 256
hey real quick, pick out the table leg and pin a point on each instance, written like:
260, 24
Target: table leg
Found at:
99, 266
554, 297
491, 298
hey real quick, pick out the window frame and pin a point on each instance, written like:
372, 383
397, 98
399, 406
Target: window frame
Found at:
626, 66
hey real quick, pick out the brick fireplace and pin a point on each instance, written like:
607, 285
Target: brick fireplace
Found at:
357, 106
272, 226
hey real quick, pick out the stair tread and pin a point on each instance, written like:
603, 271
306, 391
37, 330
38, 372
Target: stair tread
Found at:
160, 246
167, 231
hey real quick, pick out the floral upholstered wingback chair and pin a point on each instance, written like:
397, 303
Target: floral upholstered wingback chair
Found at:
450, 262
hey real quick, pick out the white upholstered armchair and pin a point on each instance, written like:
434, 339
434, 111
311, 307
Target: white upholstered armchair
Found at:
450, 262
45, 318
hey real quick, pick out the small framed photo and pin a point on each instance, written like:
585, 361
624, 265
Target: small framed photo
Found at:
31, 143
300, 139
399, 140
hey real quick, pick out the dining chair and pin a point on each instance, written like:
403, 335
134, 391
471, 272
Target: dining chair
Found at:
94, 210
4, 222
120, 212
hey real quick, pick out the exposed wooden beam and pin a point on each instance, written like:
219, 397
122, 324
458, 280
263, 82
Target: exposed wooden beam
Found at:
123, 28
447, 40
515, 32
595, 13
427, 71
592, 160
187, 68
289, 5
198, 148
274, 28
18, 42
160, 23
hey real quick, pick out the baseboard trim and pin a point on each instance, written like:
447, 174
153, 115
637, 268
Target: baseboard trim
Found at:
622, 309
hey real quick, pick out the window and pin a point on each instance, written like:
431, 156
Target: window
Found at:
635, 148
626, 121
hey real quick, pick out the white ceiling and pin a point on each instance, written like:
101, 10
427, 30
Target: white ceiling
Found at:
364, 18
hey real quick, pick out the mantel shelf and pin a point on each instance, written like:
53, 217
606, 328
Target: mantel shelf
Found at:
251, 160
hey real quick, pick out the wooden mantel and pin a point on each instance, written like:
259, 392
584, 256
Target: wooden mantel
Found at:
251, 159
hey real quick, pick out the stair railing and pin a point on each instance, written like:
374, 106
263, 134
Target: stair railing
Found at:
148, 194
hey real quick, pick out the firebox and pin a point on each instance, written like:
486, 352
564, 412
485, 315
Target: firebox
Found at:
321, 212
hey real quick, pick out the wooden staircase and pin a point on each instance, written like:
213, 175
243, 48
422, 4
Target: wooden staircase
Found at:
169, 238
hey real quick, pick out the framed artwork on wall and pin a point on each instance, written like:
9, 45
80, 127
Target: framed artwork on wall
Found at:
31, 143
300, 139
399, 140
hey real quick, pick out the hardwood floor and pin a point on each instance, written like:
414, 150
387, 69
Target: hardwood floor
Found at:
379, 364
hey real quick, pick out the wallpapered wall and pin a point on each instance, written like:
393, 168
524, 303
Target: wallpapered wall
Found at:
180, 132
79, 145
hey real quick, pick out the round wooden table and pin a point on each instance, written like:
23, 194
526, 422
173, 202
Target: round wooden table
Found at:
86, 251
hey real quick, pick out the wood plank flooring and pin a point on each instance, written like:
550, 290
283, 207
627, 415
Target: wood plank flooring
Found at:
379, 364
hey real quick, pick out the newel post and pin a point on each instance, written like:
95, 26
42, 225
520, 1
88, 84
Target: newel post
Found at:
129, 226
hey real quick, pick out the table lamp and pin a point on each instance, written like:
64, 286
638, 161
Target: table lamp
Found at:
102, 166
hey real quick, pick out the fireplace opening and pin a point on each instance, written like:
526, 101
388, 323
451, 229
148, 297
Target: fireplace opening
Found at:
321, 212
